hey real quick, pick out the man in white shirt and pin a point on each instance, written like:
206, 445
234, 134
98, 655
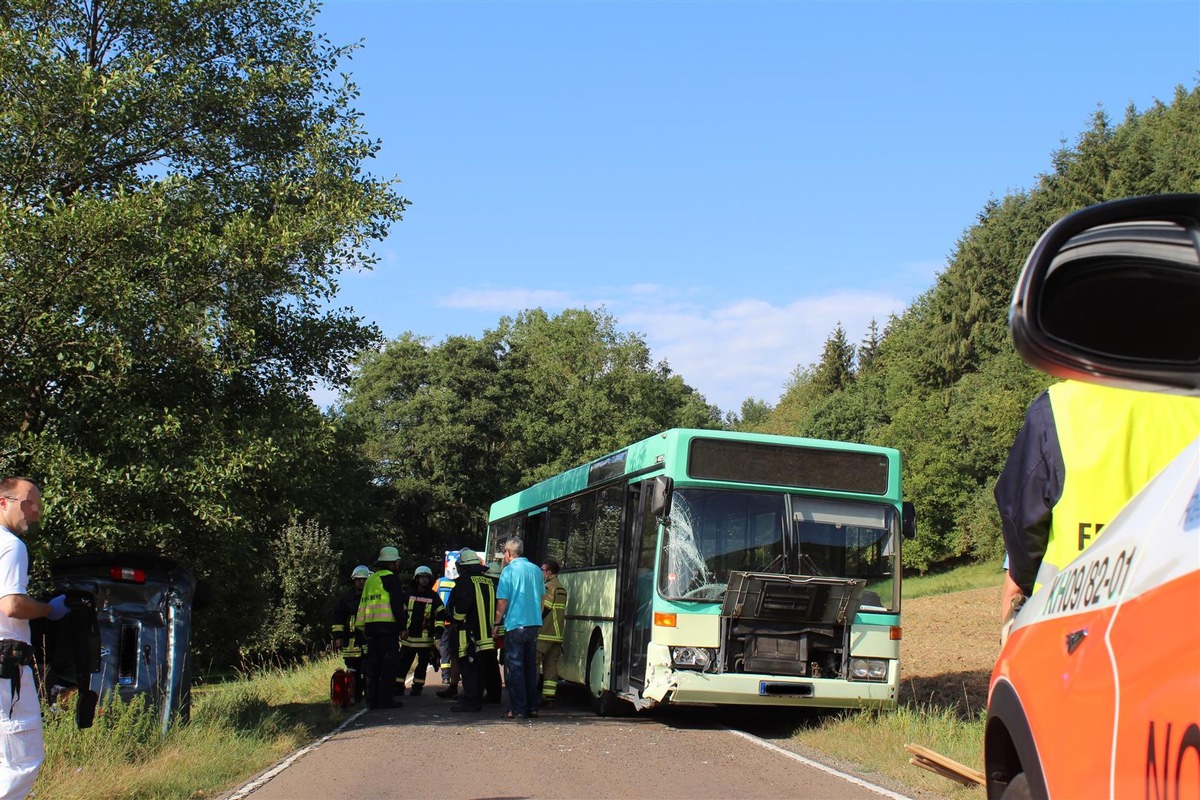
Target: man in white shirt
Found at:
21, 747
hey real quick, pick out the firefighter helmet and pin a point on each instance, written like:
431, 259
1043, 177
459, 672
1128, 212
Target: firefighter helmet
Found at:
361, 571
423, 571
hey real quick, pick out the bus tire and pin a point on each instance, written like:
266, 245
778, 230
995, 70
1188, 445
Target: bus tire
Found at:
604, 701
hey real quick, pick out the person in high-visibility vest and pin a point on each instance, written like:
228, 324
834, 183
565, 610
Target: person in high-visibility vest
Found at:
422, 628
550, 639
1082, 453
443, 586
493, 683
381, 613
473, 604
347, 634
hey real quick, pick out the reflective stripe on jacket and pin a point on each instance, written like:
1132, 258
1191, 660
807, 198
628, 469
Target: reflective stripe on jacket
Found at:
423, 613
376, 604
554, 612
474, 609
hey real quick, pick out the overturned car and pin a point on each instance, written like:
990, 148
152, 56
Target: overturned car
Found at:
128, 633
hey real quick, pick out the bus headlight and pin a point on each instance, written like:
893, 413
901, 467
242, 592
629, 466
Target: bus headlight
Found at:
868, 669
692, 657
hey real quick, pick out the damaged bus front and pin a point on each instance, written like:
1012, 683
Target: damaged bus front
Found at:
779, 597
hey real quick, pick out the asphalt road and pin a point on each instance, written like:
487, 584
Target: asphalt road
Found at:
422, 750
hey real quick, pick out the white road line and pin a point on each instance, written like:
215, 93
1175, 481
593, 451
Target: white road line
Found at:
260, 781
817, 765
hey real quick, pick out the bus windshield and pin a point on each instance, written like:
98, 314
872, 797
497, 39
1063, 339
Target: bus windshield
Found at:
711, 533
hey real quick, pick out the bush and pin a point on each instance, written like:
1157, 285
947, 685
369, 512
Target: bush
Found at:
301, 582
980, 526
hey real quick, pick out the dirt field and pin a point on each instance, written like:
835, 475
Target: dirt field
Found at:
949, 648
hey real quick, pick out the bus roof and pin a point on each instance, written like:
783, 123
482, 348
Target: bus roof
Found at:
666, 450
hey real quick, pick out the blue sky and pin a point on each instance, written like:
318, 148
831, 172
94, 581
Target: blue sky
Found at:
729, 179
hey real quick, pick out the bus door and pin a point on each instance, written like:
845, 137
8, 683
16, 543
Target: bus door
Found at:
635, 584
532, 536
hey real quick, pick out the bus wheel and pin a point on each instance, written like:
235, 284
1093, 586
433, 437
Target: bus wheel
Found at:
604, 702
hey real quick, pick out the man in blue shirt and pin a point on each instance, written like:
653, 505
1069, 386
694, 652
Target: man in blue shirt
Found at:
519, 610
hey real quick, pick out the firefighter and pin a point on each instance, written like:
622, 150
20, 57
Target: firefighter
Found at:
473, 602
347, 634
381, 613
550, 639
493, 682
423, 628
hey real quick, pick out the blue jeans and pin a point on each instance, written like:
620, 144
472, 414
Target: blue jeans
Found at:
520, 665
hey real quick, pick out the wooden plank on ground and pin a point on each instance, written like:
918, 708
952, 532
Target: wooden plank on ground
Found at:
946, 767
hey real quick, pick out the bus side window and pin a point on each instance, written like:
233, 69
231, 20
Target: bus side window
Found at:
579, 540
556, 534
608, 526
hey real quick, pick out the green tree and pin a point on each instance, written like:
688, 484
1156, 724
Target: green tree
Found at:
791, 413
867, 351
181, 185
835, 371
455, 426
302, 579
587, 389
753, 415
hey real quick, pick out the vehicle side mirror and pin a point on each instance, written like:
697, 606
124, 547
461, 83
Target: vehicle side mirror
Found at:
660, 500
908, 520
1109, 295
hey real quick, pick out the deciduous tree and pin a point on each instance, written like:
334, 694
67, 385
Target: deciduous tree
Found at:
180, 186
457, 425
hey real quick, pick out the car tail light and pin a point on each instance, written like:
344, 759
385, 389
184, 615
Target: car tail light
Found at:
127, 574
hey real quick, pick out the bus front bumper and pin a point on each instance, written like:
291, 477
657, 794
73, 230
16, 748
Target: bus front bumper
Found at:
685, 687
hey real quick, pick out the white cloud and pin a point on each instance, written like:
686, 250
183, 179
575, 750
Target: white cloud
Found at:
506, 301
729, 350
748, 347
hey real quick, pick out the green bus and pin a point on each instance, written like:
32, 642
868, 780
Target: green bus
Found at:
712, 567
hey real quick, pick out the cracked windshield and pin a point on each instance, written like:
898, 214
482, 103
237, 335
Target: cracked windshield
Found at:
713, 533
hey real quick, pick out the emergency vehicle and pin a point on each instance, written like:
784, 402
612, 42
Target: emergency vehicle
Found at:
1096, 692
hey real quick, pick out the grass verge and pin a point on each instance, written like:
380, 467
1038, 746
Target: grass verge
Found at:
973, 576
873, 742
238, 728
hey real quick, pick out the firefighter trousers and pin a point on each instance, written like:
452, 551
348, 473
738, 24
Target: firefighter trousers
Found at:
424, 657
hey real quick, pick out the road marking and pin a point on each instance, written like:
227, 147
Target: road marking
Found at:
817, 765
261, 781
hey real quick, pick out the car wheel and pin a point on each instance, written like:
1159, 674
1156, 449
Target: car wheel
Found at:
1018, 788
